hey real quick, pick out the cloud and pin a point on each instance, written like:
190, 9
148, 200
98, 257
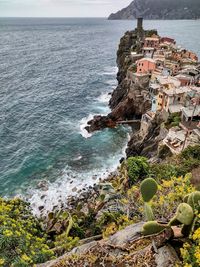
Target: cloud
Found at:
58, 8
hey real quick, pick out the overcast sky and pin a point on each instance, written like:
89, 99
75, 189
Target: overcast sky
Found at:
60, 8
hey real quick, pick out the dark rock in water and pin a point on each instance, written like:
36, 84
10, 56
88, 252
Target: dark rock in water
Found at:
41, 208
160, 9
43, 185
121, 160
94, 177
74, 189
100, 122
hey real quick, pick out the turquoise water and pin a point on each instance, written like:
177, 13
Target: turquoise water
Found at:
54, 75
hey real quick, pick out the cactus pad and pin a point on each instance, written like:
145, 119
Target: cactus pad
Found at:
148, 212
148, 189
152, 227
194, 200
185, 214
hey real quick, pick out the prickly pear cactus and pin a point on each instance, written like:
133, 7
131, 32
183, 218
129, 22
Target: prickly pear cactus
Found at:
148, 212
194, 200
184, 214
152, 227
148, 189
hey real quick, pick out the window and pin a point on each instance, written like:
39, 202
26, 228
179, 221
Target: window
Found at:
140, 70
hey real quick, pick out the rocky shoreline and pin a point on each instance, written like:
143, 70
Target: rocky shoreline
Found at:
125, 104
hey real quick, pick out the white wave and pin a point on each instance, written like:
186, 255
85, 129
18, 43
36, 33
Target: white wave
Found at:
83, 124
104, 98
112, 82
70, 184
78, 157
110, 71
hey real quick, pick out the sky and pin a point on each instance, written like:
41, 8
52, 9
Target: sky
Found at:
60, 8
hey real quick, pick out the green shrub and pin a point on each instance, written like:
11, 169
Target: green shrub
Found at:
65, 243
173, 120
191, 152
163, 171
22, 241
187, 166
138, 168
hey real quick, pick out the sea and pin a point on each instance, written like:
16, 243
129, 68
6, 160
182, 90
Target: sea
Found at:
55, 75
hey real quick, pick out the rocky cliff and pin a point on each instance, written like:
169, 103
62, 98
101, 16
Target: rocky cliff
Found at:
128, 100
159, 9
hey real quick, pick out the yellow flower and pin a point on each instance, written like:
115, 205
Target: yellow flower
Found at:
162, 200
186, 245
1, 261
197, 254
167, 183
25, 258
196, 234
184, 252
8, 233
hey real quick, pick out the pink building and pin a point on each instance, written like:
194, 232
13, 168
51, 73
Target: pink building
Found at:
146, 65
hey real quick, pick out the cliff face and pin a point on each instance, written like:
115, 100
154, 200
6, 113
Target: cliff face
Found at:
147, 145
159, 9
128, 100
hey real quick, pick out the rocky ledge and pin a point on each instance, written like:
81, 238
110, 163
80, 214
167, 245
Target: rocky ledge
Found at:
121, 249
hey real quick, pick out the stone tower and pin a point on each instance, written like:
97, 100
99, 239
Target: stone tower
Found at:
140, 25
140, 34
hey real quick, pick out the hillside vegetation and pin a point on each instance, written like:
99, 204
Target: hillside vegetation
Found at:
117, 203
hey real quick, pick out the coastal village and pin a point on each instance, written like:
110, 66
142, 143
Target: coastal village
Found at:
173, 77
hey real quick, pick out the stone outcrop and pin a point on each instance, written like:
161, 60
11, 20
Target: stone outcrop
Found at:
125, 248
159, 9
147, 144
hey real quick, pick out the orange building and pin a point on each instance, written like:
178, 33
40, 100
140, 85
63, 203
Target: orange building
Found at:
190, 55
152, 41
146, 65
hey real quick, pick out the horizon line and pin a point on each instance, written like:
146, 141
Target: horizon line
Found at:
52, 17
